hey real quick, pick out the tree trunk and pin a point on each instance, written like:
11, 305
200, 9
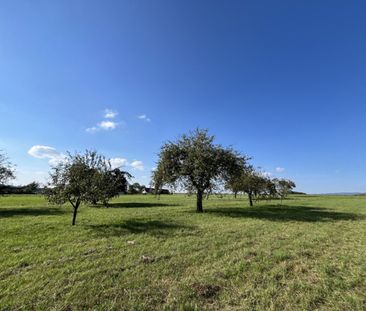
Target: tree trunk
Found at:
235, 194
250, 199
75, 206
199, 201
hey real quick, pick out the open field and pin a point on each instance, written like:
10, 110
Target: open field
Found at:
309, 254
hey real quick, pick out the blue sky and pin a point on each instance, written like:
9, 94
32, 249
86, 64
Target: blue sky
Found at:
282, 81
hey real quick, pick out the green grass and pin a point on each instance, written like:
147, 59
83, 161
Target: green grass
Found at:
308, 254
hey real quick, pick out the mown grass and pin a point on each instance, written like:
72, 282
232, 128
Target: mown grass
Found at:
307, 254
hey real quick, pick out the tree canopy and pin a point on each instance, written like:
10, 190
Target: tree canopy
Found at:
6, 169
284, 187
196, 163
259, 186
85, 178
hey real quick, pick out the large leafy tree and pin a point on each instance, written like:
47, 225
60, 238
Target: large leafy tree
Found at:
196, 163
6, 169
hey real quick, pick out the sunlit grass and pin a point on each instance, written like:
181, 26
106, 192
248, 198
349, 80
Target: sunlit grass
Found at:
308, 254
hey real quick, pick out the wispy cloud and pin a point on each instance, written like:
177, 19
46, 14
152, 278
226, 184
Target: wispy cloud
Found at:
280, 169
46, 152
144, 117
110, 114
92, 129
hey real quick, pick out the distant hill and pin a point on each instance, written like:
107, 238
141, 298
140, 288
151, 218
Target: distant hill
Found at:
297, 192
344, 193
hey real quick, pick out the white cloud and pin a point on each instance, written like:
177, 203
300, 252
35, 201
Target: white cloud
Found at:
122, 162
118, 162
280, 169
137, 165
54, 157
110, 114
144, 117
104, 125
107, 125
46, 152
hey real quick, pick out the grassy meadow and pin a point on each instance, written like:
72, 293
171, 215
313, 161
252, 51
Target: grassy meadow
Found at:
146, 254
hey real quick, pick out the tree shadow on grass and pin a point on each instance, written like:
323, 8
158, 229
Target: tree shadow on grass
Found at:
286, 213
153, 227
24, 212
135, 205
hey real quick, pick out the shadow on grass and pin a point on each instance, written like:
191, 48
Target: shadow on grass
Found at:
286, 213
23, 212
134, 205
154, 227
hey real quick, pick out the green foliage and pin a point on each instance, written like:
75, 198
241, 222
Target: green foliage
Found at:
85, 178
108, 184
195, 164
258, 186
73, 180
284, 187
135, 188
251, 182
31, 188
6, 169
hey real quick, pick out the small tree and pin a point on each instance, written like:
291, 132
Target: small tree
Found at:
73, 180
31, 188
258, 186
135, 188
195, 163
251, 182
6, 169
109, 184
284, 187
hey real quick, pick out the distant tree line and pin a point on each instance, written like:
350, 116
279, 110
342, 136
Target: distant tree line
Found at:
32, 188
7, 173
136, 188
257, 186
